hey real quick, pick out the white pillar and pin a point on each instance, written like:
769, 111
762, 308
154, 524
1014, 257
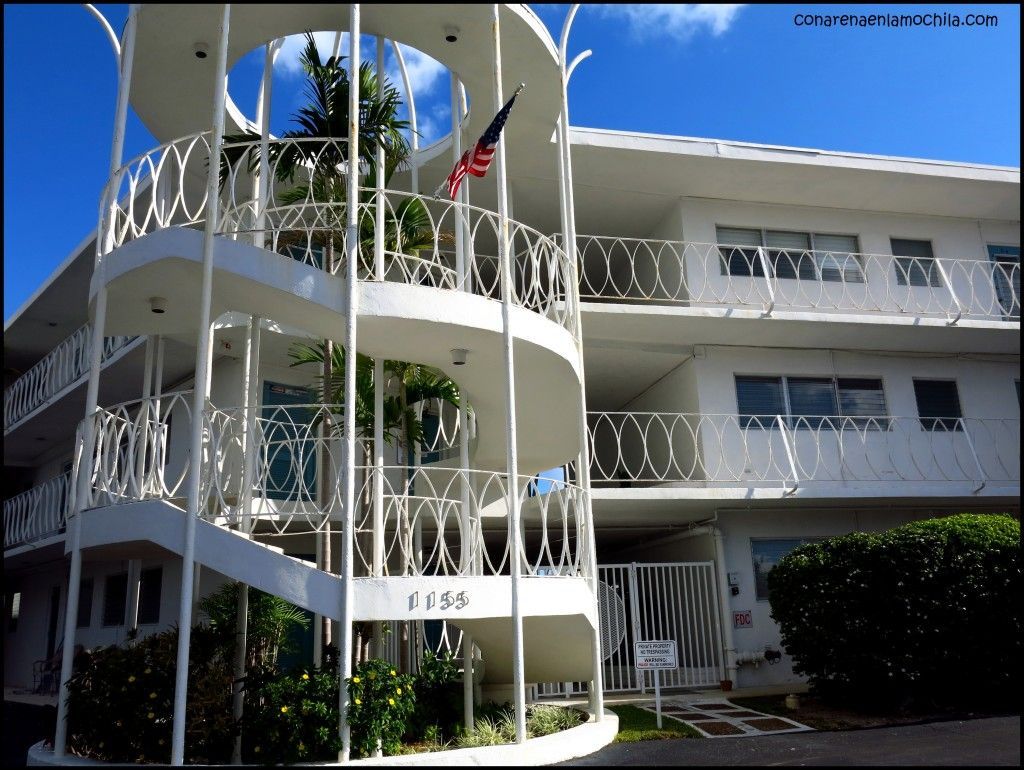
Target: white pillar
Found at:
199, 395
723, 589
104, 240
142, 435
378, 369
262, 181
583, 462
459, 211
414, 139
518, 675
131, 610
352, 255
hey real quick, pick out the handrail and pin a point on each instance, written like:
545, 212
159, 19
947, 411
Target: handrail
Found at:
665, 272
453, 538
304, 216
650, 448
38, 512
65, 364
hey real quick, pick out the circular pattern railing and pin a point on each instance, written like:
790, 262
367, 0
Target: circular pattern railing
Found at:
301, 213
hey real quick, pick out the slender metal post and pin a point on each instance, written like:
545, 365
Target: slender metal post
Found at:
982, 478
789, 452
131, 610
114, 42
459, 211
467, 551
414, 138
199, 396
105, 239
352, 255
160, 443
726, 624
142, 439
763, 259
949, 287
596, 689
262, 181
518, 675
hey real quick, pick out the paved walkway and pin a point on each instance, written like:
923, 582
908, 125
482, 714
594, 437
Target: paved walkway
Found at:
992, 741
722, 719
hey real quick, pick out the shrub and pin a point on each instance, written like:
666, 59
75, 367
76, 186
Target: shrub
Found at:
437, 715
926, 612
381, 702
545, 719
121, 702
291, 716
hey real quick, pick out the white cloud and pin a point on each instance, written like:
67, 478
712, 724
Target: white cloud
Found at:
678, 20
424, 72
288, 59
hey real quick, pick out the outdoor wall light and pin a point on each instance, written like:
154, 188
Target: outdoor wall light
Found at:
201, 50
158, 305
459, 356
451, 34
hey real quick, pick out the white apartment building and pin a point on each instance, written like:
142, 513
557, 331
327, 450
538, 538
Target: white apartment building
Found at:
748, 347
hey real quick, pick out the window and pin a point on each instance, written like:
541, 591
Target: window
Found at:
938, 404
149, 595
791, 254
115, 599
915, 263
85, 589
768, 553
1006, 277
811, 402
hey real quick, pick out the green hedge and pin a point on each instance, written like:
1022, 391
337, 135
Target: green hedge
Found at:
927, 612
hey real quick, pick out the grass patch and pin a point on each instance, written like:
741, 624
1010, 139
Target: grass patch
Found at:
637, 724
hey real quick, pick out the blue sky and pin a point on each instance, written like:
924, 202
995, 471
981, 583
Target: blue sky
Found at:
733, 72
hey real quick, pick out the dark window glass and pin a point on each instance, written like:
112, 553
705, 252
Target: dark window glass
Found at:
115, 599
790, 254
812, 400
149, 595
738, 251
766, 554
85, 590
759, 401
864, 400
915, 263
938, 404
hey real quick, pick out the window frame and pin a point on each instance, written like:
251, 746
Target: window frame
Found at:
800, 422
769, 539
935, 422
757, 269
903, 274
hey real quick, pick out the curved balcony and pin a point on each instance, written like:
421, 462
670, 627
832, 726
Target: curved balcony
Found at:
304, 218
37, 513
682, 273
673, 449
436, 521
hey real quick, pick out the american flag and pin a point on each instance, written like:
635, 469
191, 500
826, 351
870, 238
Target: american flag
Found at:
477, 160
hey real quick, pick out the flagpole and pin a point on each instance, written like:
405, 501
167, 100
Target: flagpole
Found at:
518, 675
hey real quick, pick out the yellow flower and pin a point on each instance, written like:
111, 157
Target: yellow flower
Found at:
147, 671
359, 702
256, 750
391, 701
150, 715
305, 676
398, 690
355, 680
152, 695
302, 746
393, 673
131, 679
373, 675
284, 709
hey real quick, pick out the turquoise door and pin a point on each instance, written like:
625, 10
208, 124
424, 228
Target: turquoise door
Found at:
290, 452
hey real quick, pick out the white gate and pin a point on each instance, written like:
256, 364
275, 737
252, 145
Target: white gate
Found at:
671, 600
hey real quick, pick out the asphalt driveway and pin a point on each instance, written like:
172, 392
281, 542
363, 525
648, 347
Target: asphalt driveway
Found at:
990, 741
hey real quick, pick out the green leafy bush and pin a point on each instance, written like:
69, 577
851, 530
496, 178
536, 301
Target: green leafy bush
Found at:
121, 701
381, 701
291, 716
437, 716
927, 612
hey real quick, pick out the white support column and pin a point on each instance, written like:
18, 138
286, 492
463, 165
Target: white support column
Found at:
352, 256
199, 401
131, 610
596, 688
460, 211
378, 372
105, 239
142, 436
414, 139
250, 379
723, 589
518, 675
160, 441
261, 182
467, 551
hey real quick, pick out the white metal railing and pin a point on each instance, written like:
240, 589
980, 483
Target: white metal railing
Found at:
436, 520
650, 448
303, 217
62, 366
666, 272
37, 513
